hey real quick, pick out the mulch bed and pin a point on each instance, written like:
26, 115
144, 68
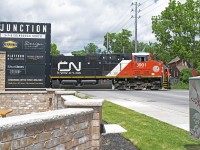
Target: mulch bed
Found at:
116, 142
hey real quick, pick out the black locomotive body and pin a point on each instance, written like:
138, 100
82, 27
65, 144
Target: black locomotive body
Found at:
80, 70
125, 71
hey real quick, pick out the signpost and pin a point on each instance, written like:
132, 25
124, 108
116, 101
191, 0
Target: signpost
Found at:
27, 47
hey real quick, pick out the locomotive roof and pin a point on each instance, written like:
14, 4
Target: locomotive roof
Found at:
141, 54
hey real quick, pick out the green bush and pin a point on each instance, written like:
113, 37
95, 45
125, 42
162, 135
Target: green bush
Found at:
185, 74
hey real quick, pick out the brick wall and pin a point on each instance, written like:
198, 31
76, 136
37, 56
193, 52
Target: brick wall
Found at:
2, 70
96, 105
53, 130
26, 102
59, 102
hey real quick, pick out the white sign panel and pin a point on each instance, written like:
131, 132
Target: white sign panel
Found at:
22, 35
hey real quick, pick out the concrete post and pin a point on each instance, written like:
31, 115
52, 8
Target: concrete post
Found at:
194, 106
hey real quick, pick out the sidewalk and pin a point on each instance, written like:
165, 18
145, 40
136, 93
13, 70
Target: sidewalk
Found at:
180, 120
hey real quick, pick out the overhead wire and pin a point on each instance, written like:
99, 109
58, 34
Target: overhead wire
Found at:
142, 16
122, 19
129, 24
125, 24
122, 22
143, 2
148, 6
152, 10
113, 28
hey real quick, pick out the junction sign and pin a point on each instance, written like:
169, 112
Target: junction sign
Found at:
27, 47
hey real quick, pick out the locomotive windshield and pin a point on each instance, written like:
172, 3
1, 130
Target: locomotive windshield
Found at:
141, 58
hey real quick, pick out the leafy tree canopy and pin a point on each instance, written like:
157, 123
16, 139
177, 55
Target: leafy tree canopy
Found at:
54, 50
123, 43
79, 53
91, 48
178, 29
119, 43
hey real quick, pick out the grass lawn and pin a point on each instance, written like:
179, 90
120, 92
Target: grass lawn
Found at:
180, 85
147, 133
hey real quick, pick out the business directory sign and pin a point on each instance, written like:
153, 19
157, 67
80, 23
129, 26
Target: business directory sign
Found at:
27, 47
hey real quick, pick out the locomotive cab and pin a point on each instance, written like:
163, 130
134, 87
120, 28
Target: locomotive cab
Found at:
141, 57
147, 72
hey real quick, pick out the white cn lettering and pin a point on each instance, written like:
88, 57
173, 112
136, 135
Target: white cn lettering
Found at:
21, 28
71, 64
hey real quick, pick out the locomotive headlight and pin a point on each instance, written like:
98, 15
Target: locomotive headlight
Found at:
156, 68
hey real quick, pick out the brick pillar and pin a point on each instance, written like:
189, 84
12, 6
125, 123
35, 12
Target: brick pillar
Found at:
96, 104
96, 128
2, 70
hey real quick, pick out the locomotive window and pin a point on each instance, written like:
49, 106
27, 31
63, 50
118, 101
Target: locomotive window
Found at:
141, 58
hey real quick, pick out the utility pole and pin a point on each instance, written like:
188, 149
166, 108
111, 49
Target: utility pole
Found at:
136, 27
136, 17
107, 42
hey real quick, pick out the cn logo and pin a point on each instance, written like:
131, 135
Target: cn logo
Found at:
65, 66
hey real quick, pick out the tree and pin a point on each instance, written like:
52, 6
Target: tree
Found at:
91, 48
119, 43
109, 41
123, 42
177, 29
54, 50
79, 53
157, 52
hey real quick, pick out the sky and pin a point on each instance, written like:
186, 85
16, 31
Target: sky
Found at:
75, 23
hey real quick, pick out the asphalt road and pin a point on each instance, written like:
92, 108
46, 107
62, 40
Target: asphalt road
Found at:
171, 106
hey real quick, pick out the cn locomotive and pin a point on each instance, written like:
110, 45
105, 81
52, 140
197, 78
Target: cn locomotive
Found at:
126, 71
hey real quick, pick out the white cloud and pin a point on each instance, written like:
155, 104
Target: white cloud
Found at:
75, 23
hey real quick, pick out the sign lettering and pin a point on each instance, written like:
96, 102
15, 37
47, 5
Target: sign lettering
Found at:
69, 66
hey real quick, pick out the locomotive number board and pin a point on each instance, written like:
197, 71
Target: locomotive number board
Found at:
27, 47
